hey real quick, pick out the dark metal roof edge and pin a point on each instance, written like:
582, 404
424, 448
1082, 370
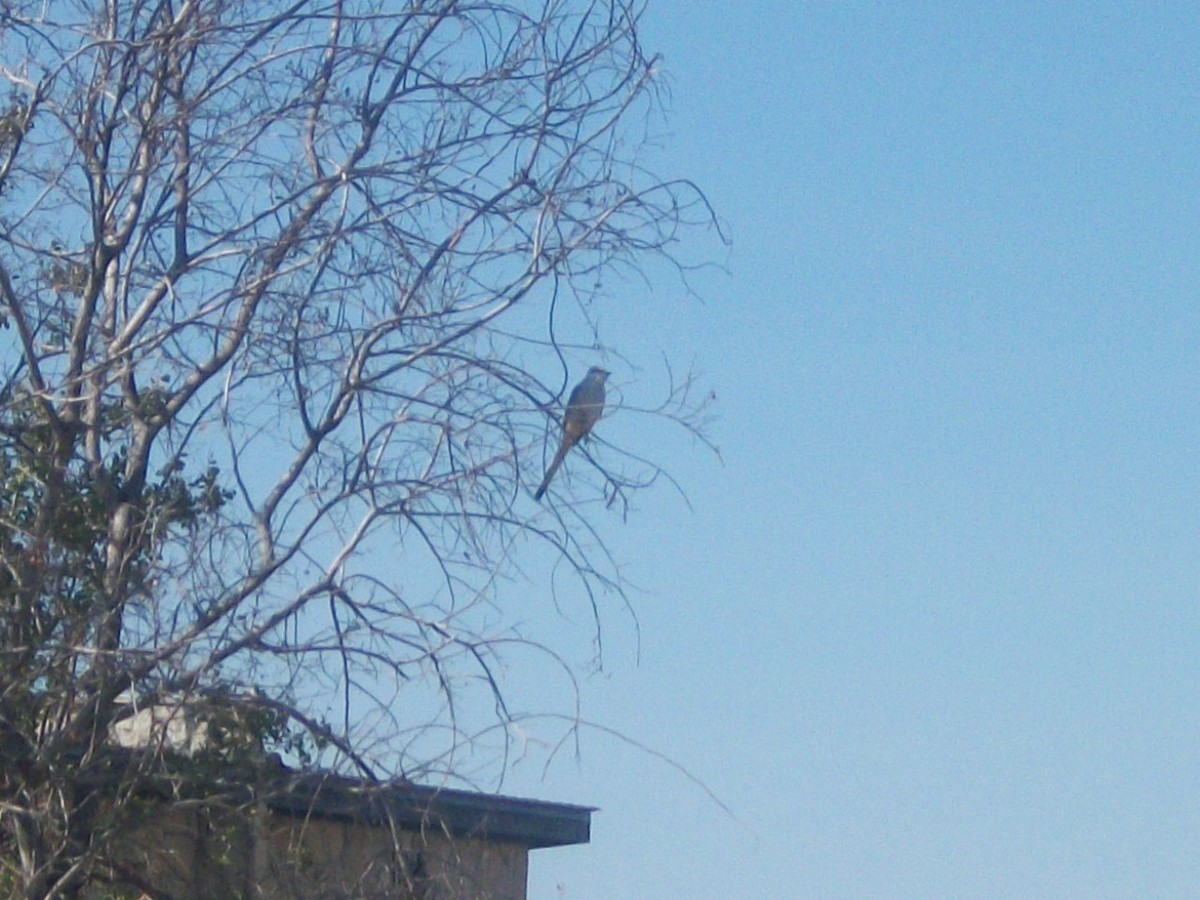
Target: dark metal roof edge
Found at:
532, 823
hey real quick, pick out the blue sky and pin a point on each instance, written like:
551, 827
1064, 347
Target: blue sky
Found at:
930, 628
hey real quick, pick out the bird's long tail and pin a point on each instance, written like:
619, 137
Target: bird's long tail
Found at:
554, 464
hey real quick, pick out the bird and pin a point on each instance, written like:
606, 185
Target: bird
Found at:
584, 407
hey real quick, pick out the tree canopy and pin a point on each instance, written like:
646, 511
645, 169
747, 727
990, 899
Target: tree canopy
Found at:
280, 291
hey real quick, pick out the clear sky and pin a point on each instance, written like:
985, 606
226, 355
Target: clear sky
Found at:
931, 627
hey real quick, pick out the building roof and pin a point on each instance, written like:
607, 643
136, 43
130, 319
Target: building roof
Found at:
531, 823
181, 729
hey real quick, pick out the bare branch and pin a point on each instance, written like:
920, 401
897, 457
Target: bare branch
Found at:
282, 278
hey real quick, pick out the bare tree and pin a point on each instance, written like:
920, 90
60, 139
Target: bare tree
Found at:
278, 283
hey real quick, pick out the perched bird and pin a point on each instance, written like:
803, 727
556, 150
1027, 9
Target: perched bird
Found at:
584, 407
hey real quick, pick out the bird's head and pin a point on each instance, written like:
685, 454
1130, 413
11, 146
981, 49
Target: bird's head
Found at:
598, 374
